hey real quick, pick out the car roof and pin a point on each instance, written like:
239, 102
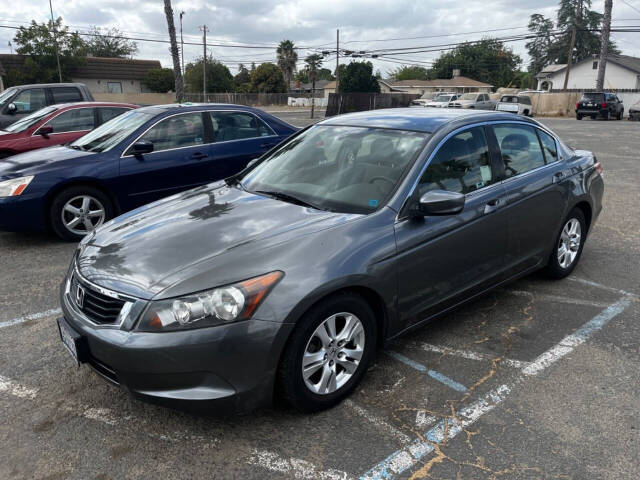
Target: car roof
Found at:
93, 104
185, 107
47, 85
426, 120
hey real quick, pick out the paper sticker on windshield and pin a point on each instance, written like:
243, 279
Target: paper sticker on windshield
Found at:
373, 203
197, 139
485, 173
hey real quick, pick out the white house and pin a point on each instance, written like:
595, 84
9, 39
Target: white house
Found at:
622, 73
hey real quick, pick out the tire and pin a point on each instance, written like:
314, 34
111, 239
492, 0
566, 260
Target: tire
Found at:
74, 197
593, 117
578, 116
557, 265
620, 114
291, 384
606, 115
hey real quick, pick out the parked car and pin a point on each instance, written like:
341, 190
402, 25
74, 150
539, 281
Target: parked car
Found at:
286, 277
480, 101
133, 159
634, 111
520, 104
20, 101
424, 99
602, 104
442, 100
56, 125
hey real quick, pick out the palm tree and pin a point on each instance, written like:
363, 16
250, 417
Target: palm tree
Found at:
287, 58
177, 71
314, 62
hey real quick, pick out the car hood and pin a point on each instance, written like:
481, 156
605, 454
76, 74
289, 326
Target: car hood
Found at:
197, 233
36, 161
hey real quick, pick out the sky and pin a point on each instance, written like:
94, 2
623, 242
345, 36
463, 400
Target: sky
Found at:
363, 24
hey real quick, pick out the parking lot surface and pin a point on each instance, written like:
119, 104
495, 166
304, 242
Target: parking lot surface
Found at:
538, 380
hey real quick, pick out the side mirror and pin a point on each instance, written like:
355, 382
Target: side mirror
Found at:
45, 130
439, 202
11, 108
141, 147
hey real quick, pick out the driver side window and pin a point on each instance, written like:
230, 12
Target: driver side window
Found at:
461, 165
178, 131
30, 100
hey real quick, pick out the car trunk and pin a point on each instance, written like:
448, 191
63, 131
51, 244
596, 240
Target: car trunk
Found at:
591, 101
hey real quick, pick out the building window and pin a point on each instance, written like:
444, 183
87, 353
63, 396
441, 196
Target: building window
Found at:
114, 87
595, 65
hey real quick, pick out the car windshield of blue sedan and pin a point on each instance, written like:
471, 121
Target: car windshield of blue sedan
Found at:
110, 134
337, 168
26, 122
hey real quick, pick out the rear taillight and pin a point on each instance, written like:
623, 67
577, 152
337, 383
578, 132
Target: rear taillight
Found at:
577, 104
603, 104
598, 168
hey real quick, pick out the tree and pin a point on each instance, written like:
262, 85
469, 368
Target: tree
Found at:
175, 56
268, 78
552, 42
486, 61
219, 78
408, 72
322, 74
160, 80
287, 58
358, 77
313, 62
37, 42
110, 43
242, 80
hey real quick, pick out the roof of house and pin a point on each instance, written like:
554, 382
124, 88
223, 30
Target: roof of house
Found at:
96, 67
320, 84
626, 61
332, 85
441, 82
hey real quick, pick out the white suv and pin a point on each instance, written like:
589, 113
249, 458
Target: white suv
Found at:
520, 104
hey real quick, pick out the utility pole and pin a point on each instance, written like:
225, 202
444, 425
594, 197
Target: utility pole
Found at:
181, 43
55, 41
175, 54
572, 43
204, 30
337, 59
604, 40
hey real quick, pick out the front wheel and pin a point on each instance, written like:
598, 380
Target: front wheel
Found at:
77, 211
328, 353
568, 246
620, 114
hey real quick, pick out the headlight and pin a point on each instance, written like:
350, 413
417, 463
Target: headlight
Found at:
230, 303
15, 186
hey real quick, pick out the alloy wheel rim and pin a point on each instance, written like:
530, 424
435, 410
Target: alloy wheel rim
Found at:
82, 214
569, 243
333, 353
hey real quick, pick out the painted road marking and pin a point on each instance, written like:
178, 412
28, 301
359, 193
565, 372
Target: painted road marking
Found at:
406, 458
378, 422
33, 316
17, 390
469, 355
557, 298
432, 373
293, 467
584, 281
424, 420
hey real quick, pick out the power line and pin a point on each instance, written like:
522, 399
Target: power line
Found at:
631, 6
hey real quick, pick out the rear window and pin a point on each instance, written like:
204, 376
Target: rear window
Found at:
66, 94
509, 99
593, 97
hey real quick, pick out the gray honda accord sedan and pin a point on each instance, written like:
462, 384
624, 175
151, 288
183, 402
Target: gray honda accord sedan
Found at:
282, 281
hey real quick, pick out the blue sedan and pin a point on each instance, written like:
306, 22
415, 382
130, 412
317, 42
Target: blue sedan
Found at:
136, 158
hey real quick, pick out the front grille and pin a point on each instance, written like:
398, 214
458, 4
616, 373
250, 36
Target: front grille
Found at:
99, 308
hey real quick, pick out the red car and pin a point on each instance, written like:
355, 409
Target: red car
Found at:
57, 124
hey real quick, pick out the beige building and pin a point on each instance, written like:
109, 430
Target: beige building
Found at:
385, 87
456, 84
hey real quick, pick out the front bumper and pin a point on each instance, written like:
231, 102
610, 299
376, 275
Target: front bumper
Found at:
23, 213
226, 369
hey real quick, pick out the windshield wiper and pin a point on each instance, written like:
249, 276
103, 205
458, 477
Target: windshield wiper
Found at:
234, 180
287, 197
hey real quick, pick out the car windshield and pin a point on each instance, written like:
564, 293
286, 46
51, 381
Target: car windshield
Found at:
26, 122
337, 168
442, 98
6, 95
110, 134
469, 96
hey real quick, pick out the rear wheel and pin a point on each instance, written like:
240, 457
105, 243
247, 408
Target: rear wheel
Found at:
620, 114
568, 246
77, 211
578, 116
328, 353
606, 115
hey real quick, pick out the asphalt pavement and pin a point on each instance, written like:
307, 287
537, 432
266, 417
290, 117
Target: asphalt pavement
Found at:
538, 380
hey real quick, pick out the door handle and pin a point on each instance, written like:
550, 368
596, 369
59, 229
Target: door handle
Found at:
199, 156
558, 176
493, 205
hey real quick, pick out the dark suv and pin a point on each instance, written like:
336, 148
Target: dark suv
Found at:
607, 105
17, 102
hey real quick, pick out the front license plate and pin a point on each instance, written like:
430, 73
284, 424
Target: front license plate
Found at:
70, 339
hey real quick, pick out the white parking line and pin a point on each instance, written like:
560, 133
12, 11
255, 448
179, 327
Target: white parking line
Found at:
17, 390
33, 316
591, 283
401, 460
378, 422
293, 467
428, 347
424, 420
557, 298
